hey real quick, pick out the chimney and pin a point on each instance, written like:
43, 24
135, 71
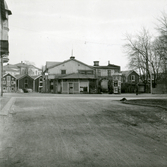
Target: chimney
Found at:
96, 63
108, 62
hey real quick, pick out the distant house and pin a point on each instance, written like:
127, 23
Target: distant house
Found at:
22, 68
27, 76
69, 77
129, 80
9, 83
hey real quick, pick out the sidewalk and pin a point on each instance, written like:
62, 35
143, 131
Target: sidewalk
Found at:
3, 101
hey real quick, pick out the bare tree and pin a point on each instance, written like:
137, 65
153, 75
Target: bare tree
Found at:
138, 50
162, 47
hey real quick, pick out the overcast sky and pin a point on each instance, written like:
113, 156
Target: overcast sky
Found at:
47, 30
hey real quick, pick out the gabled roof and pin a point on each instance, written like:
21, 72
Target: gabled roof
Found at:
9, 74
68, 61
22, 76
10, 67
51, 63
21, 65
36, 77
128, 72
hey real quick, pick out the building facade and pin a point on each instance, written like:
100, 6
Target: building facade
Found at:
4, 44
9, 83
130, 79
108, 78
69, 77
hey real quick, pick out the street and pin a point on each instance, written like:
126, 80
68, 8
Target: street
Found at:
64, 130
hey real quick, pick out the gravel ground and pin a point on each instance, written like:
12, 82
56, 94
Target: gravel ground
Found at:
41, 132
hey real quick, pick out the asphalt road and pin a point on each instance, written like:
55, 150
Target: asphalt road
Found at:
73, 131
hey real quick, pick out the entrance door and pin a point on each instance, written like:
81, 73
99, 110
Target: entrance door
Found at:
71, 87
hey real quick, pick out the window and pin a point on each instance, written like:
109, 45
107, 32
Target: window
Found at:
25, 83
13, 82
63, 71
115, 83
85, 72
109, 72
89, 72
132, 77
99, 72
8, 78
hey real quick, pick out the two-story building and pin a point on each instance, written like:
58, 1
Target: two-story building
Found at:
70, 76
108, 77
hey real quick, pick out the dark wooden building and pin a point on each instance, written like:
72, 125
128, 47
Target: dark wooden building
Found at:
9, 83
24, 82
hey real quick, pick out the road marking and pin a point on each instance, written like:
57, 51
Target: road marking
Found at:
6, 108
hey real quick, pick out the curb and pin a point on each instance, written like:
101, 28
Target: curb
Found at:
147, 105
6, 108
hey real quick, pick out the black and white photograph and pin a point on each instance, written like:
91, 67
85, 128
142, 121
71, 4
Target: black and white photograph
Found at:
83, 83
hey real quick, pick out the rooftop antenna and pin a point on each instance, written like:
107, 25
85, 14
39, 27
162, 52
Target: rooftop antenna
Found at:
72, 53
72, 56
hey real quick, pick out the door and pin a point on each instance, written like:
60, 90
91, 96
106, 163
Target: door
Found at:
71, 87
